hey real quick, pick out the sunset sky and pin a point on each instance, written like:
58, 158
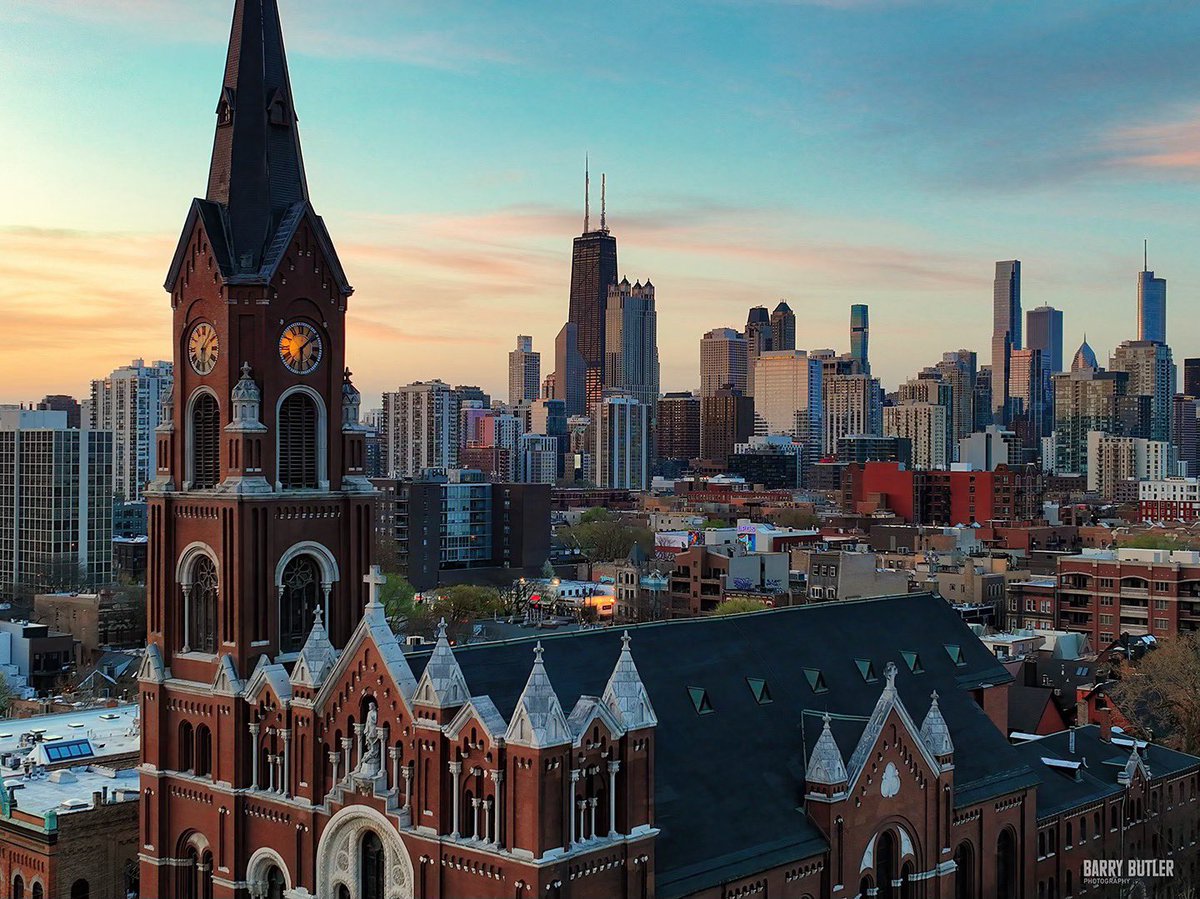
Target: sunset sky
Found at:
829, 152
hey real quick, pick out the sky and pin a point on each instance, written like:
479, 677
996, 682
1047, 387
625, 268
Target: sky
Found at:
828, 152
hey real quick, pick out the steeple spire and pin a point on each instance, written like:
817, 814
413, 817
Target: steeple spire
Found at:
257, 170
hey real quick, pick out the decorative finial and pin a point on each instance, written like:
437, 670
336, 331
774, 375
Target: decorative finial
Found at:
934, 695
889, 672
376, 579
318, 616
246, 369
625, 641
826, 718
441, 631
537, 653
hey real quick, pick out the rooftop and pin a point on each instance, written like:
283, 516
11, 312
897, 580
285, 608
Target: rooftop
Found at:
68, 790
112, 731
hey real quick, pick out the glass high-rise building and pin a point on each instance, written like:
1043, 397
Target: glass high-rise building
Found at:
789, 398
1044, 331
1191, 377
1152, 307
1006, 332
783, 327
860, 333
593, 269
723, 361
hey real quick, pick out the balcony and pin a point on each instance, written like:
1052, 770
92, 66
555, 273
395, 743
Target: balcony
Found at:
1142, 592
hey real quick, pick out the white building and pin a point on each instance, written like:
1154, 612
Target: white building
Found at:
723, 361
128, 403
524, 372
1169, 499
537, 459
924, 425
1111, 460
851, 406
420, 428
985, 450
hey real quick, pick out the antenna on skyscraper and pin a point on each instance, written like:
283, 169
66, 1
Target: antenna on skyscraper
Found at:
603, 225
587, 196
1145, 255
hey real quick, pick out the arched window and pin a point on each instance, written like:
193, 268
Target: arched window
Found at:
885, 864
202, 607
1067, 885
133, 878
187, 748
1113, 817
342, 892
206, 442
964, 877
906, 884
203, 751
298, 442
1006, 865
300, 593
79, 890
206, 876
371, 867
18, 887
1070, 834
189, 875
275, 883
37, 891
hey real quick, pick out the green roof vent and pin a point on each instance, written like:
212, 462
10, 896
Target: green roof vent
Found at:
867, 670
816, 680
700, 700
913, 660
758, 686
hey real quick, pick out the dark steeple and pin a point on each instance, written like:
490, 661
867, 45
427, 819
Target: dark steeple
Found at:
257, 171
257, 199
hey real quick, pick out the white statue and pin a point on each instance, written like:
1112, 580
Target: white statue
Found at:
369, 766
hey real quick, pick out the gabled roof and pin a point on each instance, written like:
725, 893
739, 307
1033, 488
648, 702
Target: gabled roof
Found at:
625, 694
538, 720
483, 710
588, 709
442, 685
825, 765
226, 681
934, 731
268, 674
152, 670
317, 656
696, 849
889, 701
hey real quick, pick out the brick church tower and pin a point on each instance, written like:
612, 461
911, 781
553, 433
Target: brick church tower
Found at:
260, 514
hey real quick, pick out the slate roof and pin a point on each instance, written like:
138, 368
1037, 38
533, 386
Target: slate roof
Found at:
1026, 706
746, 759
1060, 791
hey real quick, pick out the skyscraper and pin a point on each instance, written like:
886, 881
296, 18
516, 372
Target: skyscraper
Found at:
420, 428
1027, 396
129, 402
726, 419
783, 327
593, 269
524, 371
1191, 377
678, 432
1085, 399
1044, 331
1006, 332
723, 360
924, 426
56, 503
1151, 373
789, 398
958, 369
759, 339
622, 443
851, 407
860, 334
631, 341
62, 403
1152, 305
569, 370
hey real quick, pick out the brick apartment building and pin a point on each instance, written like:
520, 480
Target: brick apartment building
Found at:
943, 497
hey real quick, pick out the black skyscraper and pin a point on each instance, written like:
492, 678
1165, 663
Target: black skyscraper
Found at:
1191, 377
593, 269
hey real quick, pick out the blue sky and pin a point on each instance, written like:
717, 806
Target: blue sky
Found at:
827, 152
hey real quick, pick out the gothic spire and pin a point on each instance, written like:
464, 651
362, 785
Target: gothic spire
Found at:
257, 171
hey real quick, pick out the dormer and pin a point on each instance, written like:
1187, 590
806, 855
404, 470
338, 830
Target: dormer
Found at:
317, 656
442, 687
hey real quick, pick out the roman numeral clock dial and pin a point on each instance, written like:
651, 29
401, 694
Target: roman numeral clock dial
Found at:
203, 348
300, 348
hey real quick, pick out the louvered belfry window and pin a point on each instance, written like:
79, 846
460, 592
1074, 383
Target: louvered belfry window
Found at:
206, 442
301, 593
298, 443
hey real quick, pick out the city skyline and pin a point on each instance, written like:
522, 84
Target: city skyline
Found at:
764, 210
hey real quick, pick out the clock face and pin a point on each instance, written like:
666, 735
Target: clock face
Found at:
300, 348
203, 348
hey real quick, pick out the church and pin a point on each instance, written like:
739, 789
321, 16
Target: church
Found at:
291, 748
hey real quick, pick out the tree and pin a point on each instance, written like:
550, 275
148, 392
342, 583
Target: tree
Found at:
6, 695
397, 596
605, 540
464, 602
738, 606
596, 513
794, 518
716, 523
1162, 691
1159, 541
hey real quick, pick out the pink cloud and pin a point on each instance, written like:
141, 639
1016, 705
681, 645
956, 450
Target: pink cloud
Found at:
1165, 146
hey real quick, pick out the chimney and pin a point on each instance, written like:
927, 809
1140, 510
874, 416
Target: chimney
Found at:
1105, 725
104, 795
96, 799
